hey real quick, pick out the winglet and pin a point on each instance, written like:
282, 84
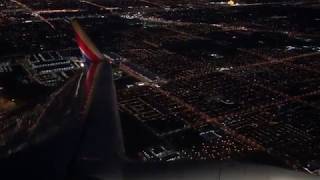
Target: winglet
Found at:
86, 46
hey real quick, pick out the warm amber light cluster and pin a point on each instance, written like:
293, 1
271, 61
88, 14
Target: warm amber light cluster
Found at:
231, 3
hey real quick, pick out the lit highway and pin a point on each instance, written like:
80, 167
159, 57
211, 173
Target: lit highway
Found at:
34, 13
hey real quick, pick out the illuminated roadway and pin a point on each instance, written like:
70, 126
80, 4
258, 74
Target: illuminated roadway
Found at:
34, 13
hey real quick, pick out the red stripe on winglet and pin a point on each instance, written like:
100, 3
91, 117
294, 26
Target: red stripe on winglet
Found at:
88, 52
